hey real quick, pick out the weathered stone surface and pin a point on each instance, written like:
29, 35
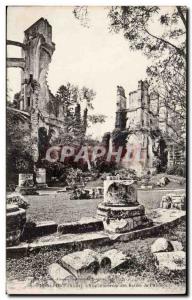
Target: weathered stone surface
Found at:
72, 242
41, 176
163, 181
138, 221
118, 226
45, 227
166, 202
59, 274
171, 260
119, 192
25, 180
178, 201
177, 246
173, 201
16, 199
81, 262
161, 245
15, 221
119, 212
82, 226
113, 260
12, 208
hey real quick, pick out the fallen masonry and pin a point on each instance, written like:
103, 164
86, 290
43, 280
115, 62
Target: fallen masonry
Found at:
164, 245
59, 274
177, 246
173, 201
81, 262
114, 260
172, 261
161, 245
76, 264
169, 255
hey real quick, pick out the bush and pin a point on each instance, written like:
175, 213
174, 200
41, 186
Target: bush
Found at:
181, 171
127, 174
16, 198
171, 170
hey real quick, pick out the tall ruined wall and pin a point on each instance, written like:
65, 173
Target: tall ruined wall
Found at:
35, 96
37, 52
140, 118
120, 122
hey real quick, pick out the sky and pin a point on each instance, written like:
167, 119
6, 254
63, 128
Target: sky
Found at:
92, 57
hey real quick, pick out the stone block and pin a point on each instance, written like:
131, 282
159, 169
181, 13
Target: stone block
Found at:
113, 260
119, 192
59, 274
31, 190
45, 227
82, 226
161, 245
12, 208
20, 250
25, 180
118, 226
15, 221
138, 221
178, 204
177, 246
121, 212
41, 176
81, 262
163, 181
172, 261
165, 204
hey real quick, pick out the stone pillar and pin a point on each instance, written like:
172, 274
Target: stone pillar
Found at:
15, 221
120, 210
21, 104
26, 185
41, 178
121, 113
23, 178
35, 122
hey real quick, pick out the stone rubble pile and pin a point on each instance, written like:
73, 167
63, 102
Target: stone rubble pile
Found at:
77, 264
173, 201
163, 181
169, 255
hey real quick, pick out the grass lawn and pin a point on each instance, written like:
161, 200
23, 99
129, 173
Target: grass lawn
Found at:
141, 272
59, 208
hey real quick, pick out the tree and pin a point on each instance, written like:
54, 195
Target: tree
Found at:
18, 152
167, 49
68, 104
165, 46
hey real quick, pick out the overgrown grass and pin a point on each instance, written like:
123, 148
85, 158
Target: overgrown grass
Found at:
141, 271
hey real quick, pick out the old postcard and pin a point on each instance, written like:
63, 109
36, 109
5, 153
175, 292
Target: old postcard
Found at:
96, 150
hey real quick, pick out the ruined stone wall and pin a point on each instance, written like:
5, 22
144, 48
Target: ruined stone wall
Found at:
120, 122
35, 96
